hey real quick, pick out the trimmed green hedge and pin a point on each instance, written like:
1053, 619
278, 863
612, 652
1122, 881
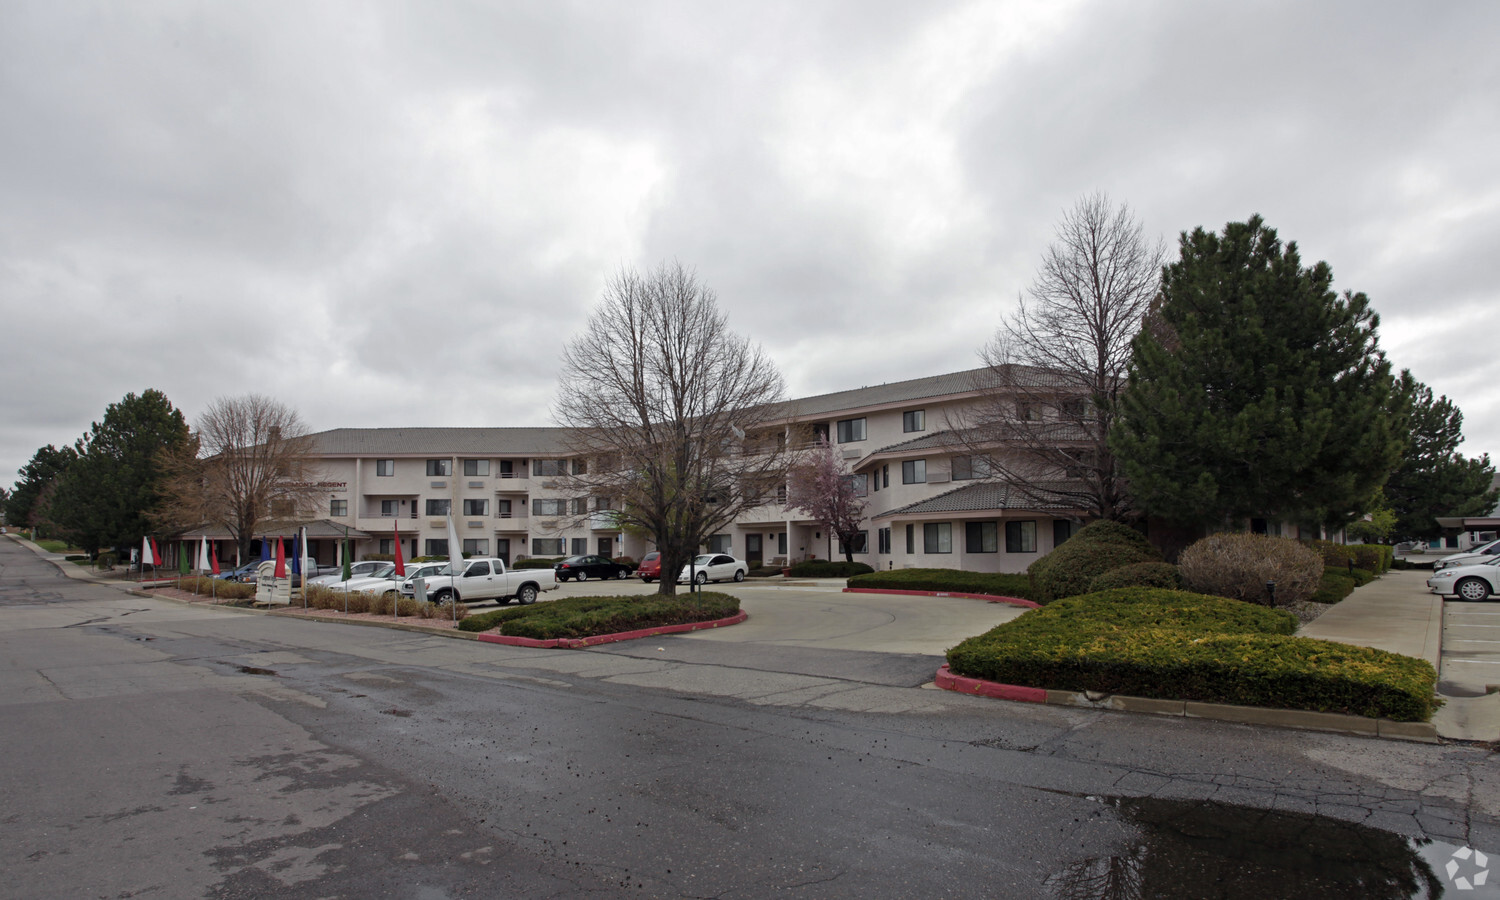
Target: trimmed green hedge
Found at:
824, 568
1145, 574
536, 562
1375, 558
577, 617
1097, 548
1335, 587
1174, 645
949, 580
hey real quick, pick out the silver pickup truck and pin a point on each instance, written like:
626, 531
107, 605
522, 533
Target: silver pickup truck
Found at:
488, 579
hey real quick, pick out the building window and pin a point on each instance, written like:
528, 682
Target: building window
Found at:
439, 507
546, 546
721, 543
476, 507
476, 467
851, 430
859, 484
937, 537
604, 504
1027, 411
580, 467
981, 537
885, 476
781, 543
860, 543
1020, 537
914, 471
385, 467
914, 420
911, 539
580, 506
502, 509
1062, 529
580, 546
436, 547
541, 507
1074, 409
338, 508
507, 468
440, 467
967, 467
386, 546
820, 432
883, 538
476, 546
390, 507
543, 468
781, 494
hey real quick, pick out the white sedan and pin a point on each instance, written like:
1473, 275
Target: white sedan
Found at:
372, 568
1471, 582
714, 567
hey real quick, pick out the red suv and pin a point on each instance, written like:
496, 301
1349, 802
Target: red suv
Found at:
650, 567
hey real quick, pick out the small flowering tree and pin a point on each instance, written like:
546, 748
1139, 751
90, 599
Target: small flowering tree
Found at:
822, 487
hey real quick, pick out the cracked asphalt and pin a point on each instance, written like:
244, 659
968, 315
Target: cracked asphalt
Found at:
152, 749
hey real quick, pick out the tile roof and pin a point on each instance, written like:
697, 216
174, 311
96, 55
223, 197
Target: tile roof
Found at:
898, 391
982, 496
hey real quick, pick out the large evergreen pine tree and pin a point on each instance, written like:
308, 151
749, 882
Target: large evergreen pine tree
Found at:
102, 498
1256, 390
1433, 479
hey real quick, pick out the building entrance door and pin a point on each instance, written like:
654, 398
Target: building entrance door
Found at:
607, 548
752, 549
502, 549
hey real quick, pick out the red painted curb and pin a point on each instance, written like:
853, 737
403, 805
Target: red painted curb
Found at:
965, 685
580, 643
993, 598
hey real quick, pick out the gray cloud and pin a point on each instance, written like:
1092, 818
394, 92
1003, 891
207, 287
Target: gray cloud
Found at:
391, 213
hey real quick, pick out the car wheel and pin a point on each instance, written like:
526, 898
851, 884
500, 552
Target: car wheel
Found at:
623, 574
443, 596
581, 576
700, 578
527, 594
739, 574
1472, 589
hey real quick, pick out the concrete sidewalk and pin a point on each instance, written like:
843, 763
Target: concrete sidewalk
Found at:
1396, 612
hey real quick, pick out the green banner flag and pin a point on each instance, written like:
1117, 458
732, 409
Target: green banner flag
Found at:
347, 573
182, 563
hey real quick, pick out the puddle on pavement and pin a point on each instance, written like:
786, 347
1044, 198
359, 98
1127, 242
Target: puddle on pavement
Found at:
1191, 849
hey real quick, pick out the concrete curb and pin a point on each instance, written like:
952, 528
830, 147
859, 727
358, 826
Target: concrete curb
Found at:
992, 598
581, 643
1425, 732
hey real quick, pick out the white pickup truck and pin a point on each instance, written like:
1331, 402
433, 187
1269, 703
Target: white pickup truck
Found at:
488, 579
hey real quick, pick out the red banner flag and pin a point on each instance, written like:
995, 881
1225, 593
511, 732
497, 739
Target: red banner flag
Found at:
213, 557
280, 558
400, 566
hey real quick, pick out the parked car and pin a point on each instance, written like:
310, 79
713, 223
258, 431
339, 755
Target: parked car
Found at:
245, 573
1469, 557
488, 579
582, 568
713, 567
1476, 581
650, 567
369, 568
424, 571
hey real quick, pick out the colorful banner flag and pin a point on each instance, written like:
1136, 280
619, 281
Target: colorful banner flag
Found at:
347, 574
455, 554
213, 557
155, 553
182, 560
148, 558
400, 566
203, 554
280, 559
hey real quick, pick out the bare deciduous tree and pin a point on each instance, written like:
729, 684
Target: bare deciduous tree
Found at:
821, 486
248, 468
667, 407
1056, 367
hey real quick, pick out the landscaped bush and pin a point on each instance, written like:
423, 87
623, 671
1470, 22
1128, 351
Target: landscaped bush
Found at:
1097, 548
1238, 565
997, 584
1375, 558
1146, 574
1176, 645
1333, 587
1402, 563
824, 568
576, 617
536, 562
205, 586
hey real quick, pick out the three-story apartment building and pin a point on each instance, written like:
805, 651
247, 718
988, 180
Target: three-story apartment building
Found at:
929, 500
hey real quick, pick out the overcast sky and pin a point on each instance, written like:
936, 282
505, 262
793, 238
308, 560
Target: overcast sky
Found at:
396, 213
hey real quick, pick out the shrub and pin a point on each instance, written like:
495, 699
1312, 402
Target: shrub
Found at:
823, 568
536, 562
1334, 587
1145, 574
763, 571
1238, 565
1182, 646
205, 586
1097, 548
626, 561
1374, 558
576, 617
997, 584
